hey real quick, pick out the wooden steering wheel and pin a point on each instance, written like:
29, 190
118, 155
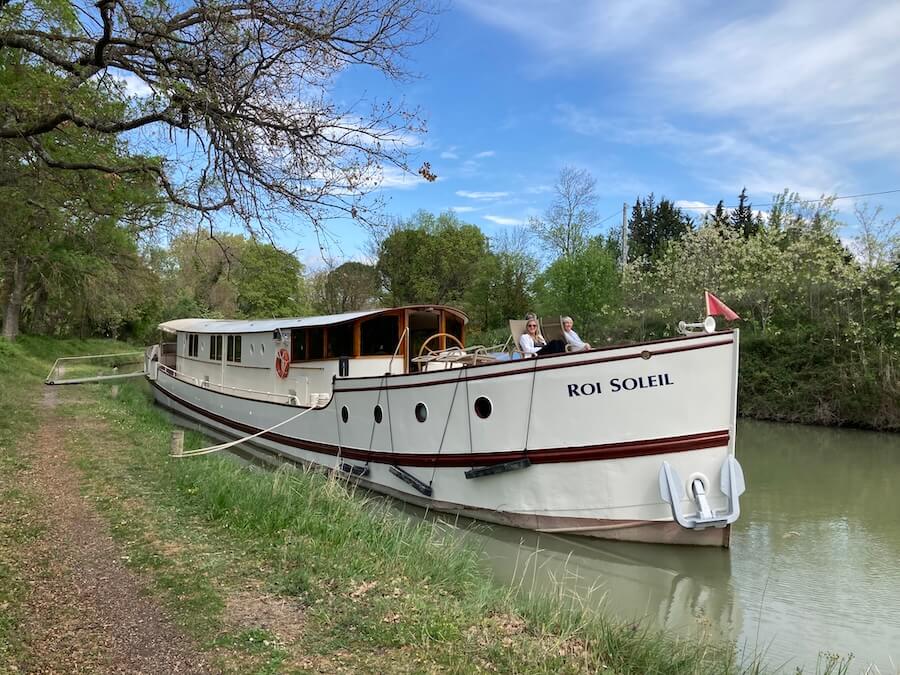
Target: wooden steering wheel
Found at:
438, 335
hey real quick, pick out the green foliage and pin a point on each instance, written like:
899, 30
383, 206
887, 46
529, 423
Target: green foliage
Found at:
823, 341
500, 290
653, 226
347, 288
585, 285
430, 259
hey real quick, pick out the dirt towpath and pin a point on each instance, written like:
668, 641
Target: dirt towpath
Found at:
87, 612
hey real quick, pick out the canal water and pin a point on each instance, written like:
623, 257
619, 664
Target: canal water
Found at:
814, 565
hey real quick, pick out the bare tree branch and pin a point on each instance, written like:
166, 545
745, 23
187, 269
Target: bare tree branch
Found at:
242, 89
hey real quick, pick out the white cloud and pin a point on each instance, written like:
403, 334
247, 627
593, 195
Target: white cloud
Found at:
538, 189
463, 209
689, 205
481, 195
485, 153
786, 94
134, 86
449, 154
503, 220
575, 28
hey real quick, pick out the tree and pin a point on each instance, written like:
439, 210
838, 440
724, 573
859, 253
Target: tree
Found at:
742, 218
240, 90
653, 227
567, 223
349, 287
269, 282
67, 236
585, 285
430, 259
232, 275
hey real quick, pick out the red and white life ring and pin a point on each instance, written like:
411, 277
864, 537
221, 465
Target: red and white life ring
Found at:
282, 363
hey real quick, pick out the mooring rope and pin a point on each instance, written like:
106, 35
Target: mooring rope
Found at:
231, 444
530, 405
447, 423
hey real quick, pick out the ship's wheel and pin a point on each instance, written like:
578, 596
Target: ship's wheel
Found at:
436, 336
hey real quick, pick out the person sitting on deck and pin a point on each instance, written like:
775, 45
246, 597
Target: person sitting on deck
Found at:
532, 343
576, 344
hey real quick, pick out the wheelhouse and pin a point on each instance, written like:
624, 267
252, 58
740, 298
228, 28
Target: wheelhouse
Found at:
295, 360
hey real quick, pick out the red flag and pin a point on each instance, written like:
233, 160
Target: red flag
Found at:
715, 307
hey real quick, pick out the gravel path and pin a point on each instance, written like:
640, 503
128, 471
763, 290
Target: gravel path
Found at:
88, 612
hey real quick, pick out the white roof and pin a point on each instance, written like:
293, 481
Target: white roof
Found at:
234, 326
258, 325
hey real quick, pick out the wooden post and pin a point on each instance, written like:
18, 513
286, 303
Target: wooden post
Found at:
178, 442
114, 391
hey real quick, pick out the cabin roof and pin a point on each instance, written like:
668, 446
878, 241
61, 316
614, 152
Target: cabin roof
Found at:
269, 325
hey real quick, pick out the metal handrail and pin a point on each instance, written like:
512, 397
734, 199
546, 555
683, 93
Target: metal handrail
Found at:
92, 356
205, 384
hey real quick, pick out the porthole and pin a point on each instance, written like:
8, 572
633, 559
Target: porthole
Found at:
483, 407
378, 414
345, 414
421, 412
645, 355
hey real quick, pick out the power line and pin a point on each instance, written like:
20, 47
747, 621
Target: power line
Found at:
808, 201
611, 215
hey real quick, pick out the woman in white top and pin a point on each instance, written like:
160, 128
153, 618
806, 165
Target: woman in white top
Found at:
575, 342
532, 343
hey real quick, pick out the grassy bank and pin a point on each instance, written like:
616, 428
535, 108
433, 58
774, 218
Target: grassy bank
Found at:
800, 378
291, 571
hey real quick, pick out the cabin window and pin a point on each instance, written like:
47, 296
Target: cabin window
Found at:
298, 344
215, 347
340, 341
316, 343
379, 335
454, 326
421, 412
193, 344
379, 415
234, 349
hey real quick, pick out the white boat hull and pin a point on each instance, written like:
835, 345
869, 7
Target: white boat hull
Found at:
594, 427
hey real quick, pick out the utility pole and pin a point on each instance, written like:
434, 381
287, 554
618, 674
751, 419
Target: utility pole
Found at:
624, 234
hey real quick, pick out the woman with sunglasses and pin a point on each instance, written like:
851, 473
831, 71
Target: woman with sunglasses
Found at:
532, 343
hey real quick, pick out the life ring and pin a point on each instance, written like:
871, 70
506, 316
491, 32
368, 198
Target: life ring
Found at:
282, 363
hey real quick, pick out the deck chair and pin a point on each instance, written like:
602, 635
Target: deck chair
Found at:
552, 329
516, 330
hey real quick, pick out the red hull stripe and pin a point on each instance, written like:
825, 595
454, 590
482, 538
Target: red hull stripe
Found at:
531, 369
655, 446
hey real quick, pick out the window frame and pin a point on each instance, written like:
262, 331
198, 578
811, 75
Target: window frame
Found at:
215, 347
233, 349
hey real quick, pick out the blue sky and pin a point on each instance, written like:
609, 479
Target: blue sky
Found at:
690, 100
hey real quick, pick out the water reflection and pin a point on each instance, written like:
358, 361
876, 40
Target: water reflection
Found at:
664, 587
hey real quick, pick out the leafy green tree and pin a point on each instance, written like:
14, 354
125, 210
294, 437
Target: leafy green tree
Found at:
653, 226
349, 287
233, 276
430, 259
586, 286
67, 238
269, 282
742, 218
501, 289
